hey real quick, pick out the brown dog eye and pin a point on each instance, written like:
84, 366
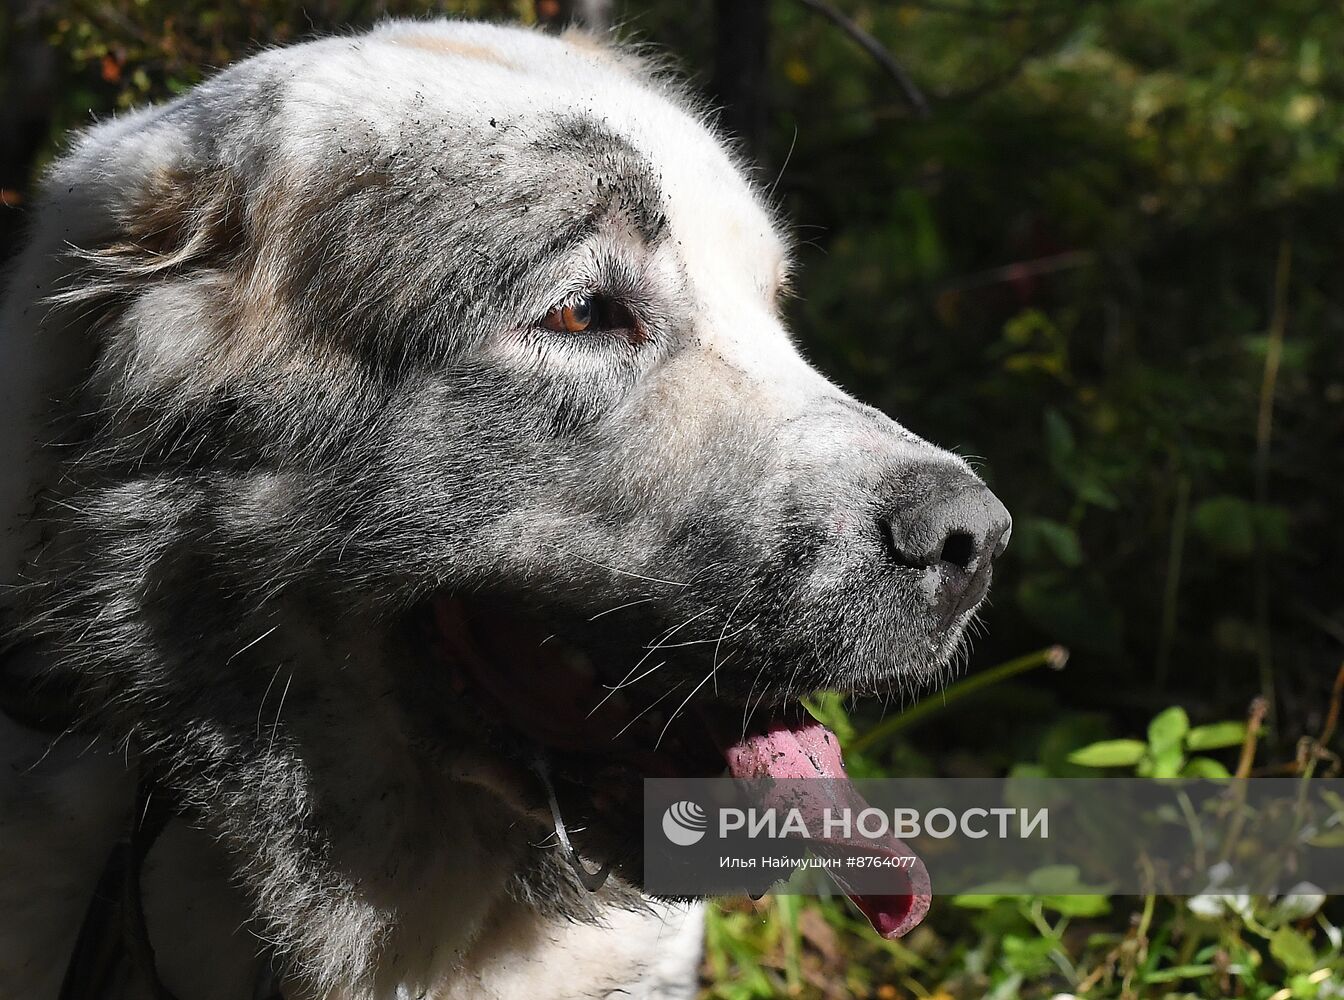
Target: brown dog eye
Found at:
573, 318
594, 314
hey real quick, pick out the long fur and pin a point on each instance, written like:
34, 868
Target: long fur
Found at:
273, 376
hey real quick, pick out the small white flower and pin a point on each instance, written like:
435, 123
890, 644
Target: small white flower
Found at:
1298, 903
1206, 905
1218, 898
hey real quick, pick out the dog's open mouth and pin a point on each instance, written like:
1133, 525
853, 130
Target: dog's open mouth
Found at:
553, 703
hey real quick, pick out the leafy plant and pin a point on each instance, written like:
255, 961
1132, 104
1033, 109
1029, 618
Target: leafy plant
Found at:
1170, 749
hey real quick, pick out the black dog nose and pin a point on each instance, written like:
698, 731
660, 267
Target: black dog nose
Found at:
948, 523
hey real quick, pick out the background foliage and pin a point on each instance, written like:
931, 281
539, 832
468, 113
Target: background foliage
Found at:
1107, 266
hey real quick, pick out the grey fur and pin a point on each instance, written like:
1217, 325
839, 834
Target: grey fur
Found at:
237, 540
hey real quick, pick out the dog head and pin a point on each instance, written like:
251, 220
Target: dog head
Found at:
435, 407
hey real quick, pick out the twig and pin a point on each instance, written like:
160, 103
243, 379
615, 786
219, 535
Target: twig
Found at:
1264, 429
1054, 657
982, 13
1171, 592
1006, 75
1018, 270
880, 53
1332, 716
1255, 718
1310, 752
1320, 620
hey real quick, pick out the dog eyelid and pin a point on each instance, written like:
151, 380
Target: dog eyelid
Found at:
593, 313
575, 317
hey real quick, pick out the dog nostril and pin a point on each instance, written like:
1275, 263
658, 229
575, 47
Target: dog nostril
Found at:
958, 549
894, 551
957, 531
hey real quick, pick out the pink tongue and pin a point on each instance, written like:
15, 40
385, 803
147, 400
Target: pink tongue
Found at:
810, 750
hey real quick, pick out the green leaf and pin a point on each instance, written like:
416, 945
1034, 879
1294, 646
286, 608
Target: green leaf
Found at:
1059, 439
1068, 733
1167, 729
1081, 905
1028, 955
1060, 540
1008, 988
1272, 527
1233, 526
979, 900
1170, 975
1053, 879
1216, 736
1032, 326
1092, 490
1226, 524
1330, 838
1078, 613
1166, 763
1204, 767
1292, 949
1110, 753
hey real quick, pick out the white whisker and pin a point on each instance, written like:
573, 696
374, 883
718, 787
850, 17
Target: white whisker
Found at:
251, 644
275, 726
714, 668
620, 607
621, 572
671, 718
635, 680
651, 707
643, 659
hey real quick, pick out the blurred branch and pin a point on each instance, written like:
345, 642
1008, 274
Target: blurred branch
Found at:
1037, 50
1054, 657
1255, 718
1019, 270
880, 53
1006, 75
1332, 714
984, 13
1321, 620
1172, 588
1264, 430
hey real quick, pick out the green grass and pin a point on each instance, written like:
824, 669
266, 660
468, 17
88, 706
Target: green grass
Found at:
1009, 946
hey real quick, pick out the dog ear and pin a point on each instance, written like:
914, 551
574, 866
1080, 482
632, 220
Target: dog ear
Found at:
181, 218
128, 209
169, 221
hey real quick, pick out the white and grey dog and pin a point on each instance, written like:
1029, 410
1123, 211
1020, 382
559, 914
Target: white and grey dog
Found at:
403, 456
